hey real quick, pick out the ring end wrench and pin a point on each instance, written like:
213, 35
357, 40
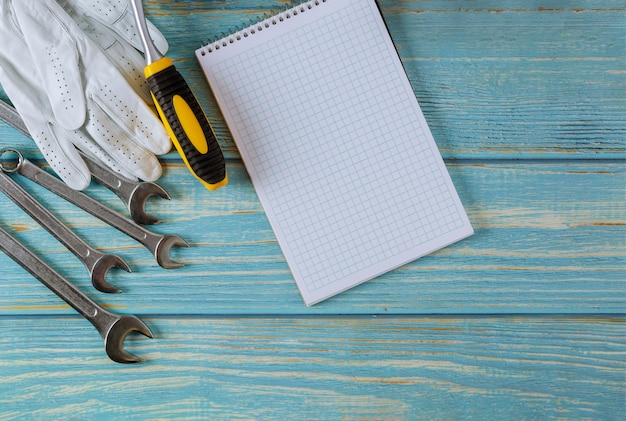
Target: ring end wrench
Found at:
158, 244
97, 263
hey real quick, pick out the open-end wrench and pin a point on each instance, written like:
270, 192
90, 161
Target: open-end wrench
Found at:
134, 194
97, 263
112, 327
159, 245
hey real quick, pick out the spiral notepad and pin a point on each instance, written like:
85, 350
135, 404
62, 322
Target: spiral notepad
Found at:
335, 143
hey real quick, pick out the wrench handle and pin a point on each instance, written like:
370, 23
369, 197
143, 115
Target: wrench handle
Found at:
113, 181
121, 186
47, 220
92, 206
116, 183
50, 278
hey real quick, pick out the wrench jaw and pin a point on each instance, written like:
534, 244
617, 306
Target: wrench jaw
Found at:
137, 201
162, 251
114, 339
100, 269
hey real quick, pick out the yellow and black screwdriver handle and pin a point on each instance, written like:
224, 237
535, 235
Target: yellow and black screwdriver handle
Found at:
181, 113
186, 123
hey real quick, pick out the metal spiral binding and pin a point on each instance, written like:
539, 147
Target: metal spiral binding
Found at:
257, 25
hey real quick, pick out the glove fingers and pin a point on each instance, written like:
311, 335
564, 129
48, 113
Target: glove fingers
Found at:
118, 16
85, 144
126, 27
114, 141
130, 63
134, 117
32, 105
55, 56
127, 59
157, 38
61, 154
97, 154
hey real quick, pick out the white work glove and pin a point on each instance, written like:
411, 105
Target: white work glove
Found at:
111, 24
70, 94
115, 15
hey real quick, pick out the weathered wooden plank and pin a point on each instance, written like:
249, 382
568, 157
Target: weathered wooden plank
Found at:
250, 9
550, 238
348, 368
495, 79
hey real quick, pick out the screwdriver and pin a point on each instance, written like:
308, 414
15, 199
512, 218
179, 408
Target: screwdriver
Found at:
181, 113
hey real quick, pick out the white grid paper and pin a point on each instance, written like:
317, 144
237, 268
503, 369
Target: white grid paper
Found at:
336, 146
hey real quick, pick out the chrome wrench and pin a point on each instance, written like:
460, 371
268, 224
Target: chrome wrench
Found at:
97, 263
133, 193
159, 245
112, 327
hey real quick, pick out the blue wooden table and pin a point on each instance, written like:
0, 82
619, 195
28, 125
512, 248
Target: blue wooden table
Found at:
524, 320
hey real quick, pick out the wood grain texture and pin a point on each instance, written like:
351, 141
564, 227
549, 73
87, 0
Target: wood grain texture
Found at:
494, 79
524, 320
366, 368
550, 238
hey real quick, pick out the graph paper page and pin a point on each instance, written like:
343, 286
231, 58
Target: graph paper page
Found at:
335, 143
